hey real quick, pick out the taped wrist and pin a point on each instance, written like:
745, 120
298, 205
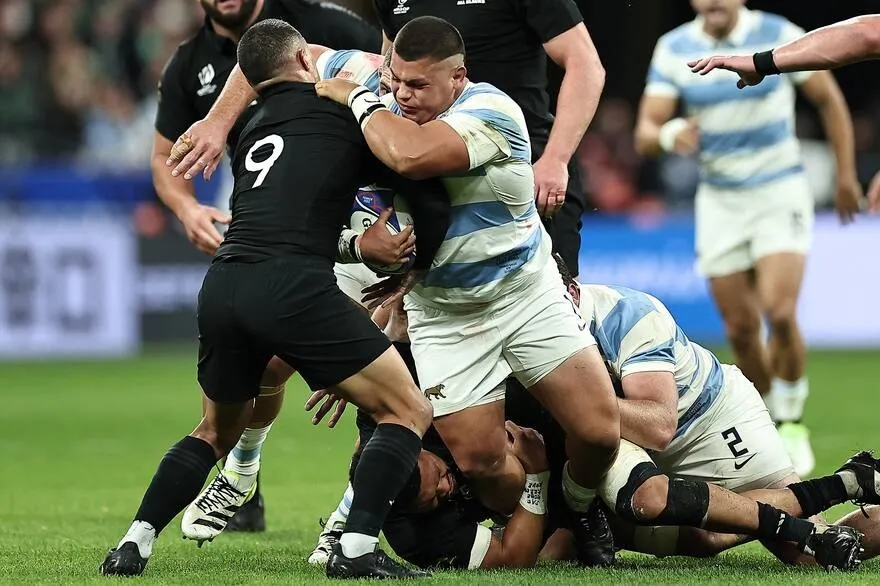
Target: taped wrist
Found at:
364, 104
348, 248
534, 498
669, 131
765, 64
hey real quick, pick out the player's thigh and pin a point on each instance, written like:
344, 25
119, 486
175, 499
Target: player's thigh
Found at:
779, 278
737, 300
231, 362
461, 429
458, 357
385, 390
783, 219
723, 233
738, 447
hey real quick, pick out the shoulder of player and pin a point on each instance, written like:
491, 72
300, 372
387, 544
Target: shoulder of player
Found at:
310, 16
183, 54
768, 27
681, 39
482, 95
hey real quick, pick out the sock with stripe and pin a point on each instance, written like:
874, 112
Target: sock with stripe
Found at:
244, 459
776, 525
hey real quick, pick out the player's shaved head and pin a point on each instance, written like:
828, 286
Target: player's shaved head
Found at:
428, 37
268, 48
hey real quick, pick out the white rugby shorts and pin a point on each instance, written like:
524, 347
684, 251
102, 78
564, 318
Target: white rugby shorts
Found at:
735, 228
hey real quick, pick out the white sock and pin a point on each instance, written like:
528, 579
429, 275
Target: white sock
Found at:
354, 545
141, 534
244, 458
340, 515
577, 497
786, 399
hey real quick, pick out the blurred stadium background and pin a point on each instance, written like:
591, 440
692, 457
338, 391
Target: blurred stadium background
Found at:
98, 285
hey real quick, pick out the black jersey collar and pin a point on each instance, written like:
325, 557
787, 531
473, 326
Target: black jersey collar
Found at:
287, 86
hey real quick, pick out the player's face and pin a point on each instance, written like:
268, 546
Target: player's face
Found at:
231, 14
438, 483
720, 15
424, 89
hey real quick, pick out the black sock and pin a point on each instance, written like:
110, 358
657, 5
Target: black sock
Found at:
180, 477
776, 525
819, 494
385, 465
405, 351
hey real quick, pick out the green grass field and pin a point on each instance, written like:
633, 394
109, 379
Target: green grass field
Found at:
80, 442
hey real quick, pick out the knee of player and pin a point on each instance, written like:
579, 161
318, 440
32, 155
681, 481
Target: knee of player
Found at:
742, 329
221, 440
649, 499
482, 460
781, 317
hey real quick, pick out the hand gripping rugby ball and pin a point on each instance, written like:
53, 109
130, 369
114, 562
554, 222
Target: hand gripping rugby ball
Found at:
368, 205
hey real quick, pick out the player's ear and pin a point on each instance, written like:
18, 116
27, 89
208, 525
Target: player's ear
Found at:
304, 60
459, 74
575, 293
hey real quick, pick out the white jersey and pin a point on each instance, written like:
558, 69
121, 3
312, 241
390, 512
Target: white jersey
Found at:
496, 243
357, 66
636, 333
747, 137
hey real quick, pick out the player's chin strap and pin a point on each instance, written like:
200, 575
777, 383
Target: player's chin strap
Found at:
687, 501
364, 104
348, 249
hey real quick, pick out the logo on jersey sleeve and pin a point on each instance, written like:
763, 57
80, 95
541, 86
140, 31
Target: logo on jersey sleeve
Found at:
206, 76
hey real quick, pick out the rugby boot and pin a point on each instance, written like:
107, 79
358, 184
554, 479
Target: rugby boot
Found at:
861, 476
376, 564
125, 560
594, 542
835, 547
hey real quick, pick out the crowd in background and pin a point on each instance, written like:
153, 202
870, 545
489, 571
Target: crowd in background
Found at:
78, 80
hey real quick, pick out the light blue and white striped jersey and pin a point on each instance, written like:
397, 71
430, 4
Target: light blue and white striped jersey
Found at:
636, 333
357, 66
747, 137
496, 243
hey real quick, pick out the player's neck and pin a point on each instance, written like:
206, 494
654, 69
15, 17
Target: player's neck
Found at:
721, 34
300, 76
236, 33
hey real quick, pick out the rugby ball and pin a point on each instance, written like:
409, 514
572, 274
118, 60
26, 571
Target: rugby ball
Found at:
366, 209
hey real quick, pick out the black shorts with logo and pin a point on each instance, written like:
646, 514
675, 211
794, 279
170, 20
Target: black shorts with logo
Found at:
290, 308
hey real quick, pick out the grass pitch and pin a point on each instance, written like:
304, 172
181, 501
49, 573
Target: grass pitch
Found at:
80, 442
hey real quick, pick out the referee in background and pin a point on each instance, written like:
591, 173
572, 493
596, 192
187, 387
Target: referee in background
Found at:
507, 44
190, 84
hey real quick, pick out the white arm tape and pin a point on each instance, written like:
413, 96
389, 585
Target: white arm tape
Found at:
669, 131
364, 104
534, 498
348, 249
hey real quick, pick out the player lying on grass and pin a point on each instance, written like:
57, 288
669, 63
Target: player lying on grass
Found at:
436, 522
683, 433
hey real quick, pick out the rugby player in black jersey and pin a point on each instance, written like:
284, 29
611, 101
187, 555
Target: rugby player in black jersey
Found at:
271, 291
191, 82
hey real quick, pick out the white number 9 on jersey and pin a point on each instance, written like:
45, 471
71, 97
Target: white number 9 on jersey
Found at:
263, 166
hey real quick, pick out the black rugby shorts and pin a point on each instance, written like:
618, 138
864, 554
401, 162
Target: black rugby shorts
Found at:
290, 308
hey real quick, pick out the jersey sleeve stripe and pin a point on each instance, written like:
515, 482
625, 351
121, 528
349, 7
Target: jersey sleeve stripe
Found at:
336, 62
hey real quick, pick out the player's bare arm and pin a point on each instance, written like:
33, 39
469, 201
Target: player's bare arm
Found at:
200, 148
829, 47
414, 151
578, 99
657, 130
824, 93
649, 409
180, 197
518, 546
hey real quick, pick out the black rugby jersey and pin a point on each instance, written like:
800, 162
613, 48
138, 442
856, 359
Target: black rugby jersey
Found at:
197, 72
297, 165
503, 41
